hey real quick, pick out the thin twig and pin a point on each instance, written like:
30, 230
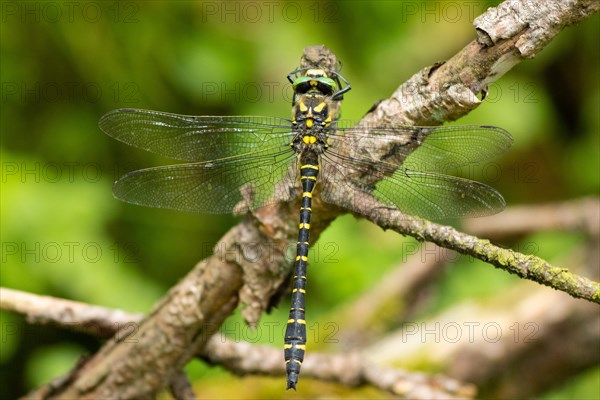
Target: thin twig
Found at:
351, 370
76, 316
525, 266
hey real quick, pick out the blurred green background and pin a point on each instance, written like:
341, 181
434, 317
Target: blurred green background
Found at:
63, 65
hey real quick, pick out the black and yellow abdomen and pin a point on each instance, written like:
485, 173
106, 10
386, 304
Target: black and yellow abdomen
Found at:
295, 334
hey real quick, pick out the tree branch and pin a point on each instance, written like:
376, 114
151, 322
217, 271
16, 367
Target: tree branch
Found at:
534, 22
79, 317
351, 370
517, 30
181, 387
241, 358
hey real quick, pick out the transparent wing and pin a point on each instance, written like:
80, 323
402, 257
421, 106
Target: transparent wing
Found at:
438, 197
440, 148
216, 187
195, 138
405, 167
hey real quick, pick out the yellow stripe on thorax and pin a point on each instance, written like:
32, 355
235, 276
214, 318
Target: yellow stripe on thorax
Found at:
309, 139
320, 107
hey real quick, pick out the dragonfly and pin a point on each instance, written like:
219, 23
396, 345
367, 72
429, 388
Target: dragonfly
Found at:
236, 163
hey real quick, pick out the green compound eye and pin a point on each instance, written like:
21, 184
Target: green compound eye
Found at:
300, 81
328, 82
325, 85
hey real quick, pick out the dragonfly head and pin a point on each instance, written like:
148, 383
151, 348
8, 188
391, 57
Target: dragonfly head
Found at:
318, 80
315, 80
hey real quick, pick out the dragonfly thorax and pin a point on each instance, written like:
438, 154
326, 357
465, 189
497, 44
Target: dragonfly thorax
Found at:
311, 109
311, 119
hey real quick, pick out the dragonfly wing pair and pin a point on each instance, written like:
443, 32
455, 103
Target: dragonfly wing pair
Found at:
413, 171
236, 159
231, 160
